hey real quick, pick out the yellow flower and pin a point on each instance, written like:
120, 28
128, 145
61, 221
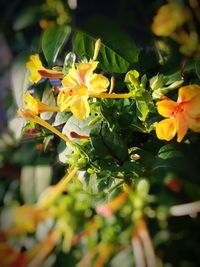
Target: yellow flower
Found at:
34, 65
181, 115
24, 219
78, 85
168, 18
190, 43
36, 106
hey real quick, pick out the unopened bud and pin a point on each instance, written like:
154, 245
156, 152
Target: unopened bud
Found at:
97, 48
157, 82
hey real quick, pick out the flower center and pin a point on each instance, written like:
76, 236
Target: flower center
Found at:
179, 108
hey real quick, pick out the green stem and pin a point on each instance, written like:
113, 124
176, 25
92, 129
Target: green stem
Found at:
115, 186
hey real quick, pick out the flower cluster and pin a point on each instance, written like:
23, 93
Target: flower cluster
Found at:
120, 137
170, 21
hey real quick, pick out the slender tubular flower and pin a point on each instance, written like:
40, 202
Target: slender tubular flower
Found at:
103, 250
25, 219
30, 116
169, 18
38, 71
36, 106
142, 246
87, 259
39, 253
54, 191
105, 95
106, 210
92, 227
10, 257
33, 257
191, 209
181, 115
78, 85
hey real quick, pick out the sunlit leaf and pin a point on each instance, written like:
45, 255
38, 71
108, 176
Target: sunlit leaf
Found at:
110, 60
19, 78
48, 99
34, 179
53, 40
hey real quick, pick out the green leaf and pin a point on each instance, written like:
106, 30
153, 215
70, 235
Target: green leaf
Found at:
143, 103
123, 258
34, 179
113, 34
78, 126
108, 143
48, 99
176, 159
27, 17
110, 60
53, 40
64, 152
61, 117
16, 125
19, 78
197, 67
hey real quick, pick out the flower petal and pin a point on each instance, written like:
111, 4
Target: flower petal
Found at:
181, 125
85, 70
64, 100
36, 60
35, 77
71, 79
31, 103
166, 108
191, 95
33, 65
194, 124
165, 129
169, 17
80, 107
97, 84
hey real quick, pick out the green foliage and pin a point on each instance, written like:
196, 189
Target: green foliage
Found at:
111, 61
19, 78
127, 185
108, 142
176, 159
53, 40
197, 66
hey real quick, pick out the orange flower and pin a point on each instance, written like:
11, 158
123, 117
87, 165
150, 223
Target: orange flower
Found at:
10, 257
33, 257
181, 115
170, 17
